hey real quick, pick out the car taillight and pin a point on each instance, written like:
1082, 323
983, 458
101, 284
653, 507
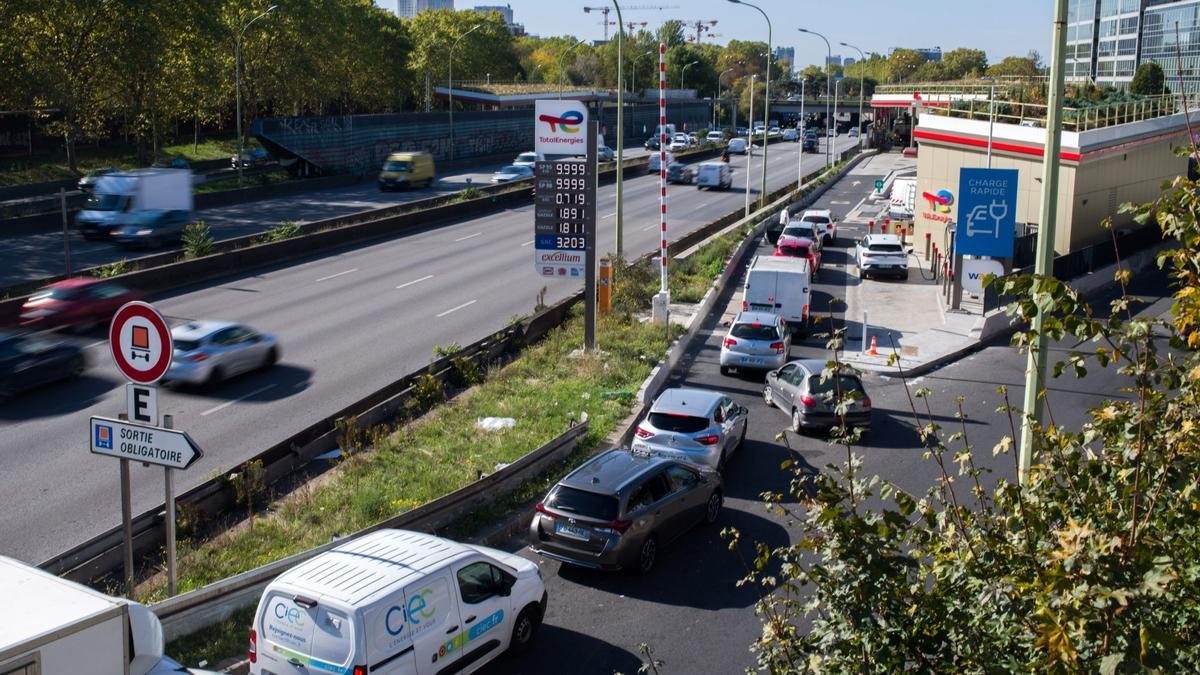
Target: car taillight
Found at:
541, 508
199, 357
866, 401
360, 670
642, 432
620, 525
804, 311
710, 439
745, 305
729, 342
808, 401
779, 347
253, 646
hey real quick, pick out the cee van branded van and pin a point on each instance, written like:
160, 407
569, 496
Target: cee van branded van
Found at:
395, 602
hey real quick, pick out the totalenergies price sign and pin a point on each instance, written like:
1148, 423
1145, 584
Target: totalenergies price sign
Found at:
559, 127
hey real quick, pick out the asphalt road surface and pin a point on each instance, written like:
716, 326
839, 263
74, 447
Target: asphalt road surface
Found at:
37, 256
690, 610
349, 322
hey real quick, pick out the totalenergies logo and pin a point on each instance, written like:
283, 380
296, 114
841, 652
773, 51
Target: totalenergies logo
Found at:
569, 121
940, 202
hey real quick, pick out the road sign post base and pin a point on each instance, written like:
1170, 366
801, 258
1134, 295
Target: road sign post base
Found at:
660, 312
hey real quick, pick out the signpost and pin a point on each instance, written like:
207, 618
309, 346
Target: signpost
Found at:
140, 341
564, 221
987, 218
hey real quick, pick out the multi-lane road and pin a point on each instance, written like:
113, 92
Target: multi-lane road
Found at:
690, 609
349, 321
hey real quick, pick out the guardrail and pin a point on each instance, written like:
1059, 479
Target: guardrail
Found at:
191, 611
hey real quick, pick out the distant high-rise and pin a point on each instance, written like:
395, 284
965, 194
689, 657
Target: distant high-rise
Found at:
787, 54
1108, 39
848, 61
506, 13
835, 60
409, 8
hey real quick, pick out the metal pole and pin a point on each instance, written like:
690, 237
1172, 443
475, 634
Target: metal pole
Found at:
62, 203
662, 166
620, 224
237, 69
1036, 366
750, 144
126, 521
862, 69
837, 81
828, 112
589, 284
800, 139
560, 66
991, 120
169, 488
450, 88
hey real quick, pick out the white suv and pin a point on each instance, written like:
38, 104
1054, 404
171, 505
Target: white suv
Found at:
877, 254
825, 223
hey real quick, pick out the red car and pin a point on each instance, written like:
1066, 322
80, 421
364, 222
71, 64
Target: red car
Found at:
79, 303
800, 247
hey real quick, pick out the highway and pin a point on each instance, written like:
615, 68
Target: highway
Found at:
690, 610
38, 256
349, 322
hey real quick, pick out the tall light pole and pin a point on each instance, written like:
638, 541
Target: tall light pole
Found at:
991, 116
800, 137
766, 99
684, 72
828, 113
620, 225
722, 74
862, 69
636, 59
560, 66
750, 144
237, 67
450, 88
1035, 368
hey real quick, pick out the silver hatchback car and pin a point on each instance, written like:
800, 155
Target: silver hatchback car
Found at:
797, 389
692, 425
755, 340
615, 511
207, 352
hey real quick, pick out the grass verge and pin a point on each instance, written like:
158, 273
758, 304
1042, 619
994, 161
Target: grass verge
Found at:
53, 166
253, 180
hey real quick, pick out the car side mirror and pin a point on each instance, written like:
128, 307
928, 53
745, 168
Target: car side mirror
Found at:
743, 410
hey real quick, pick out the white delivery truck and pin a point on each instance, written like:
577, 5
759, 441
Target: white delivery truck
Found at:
904, 198
716, 175
50, 625
779, 285
145, 197
395, 602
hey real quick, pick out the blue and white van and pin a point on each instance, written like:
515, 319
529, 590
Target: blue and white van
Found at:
395, 602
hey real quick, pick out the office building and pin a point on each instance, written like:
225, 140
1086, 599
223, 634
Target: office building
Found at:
929, 53
506, 13
848, 61
835, 60
1108, 39
787, 54
406, 9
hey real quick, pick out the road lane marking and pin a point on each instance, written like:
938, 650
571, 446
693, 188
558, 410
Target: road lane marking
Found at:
469, 236
415, 281
334, 276
611, 214
527, 243
239, 399
455, 309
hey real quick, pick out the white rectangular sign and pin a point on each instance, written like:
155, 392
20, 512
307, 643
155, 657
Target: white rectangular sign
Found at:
143, 403
142, 443
558, 127
560, 263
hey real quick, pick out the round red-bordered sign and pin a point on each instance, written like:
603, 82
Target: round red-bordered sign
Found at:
140, 341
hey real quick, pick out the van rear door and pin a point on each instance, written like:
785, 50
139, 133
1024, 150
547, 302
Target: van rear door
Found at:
433, 619
761, 291
285, 634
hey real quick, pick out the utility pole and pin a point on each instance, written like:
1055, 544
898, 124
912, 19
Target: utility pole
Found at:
762, 196
1035, 369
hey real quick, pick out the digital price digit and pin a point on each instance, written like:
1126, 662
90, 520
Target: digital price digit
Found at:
571, 228
570, 183
570, 243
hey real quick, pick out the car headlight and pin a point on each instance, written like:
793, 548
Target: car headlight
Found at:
143, 232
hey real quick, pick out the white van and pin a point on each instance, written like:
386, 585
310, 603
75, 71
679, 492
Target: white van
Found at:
395, 602
903, 200
779, 285
737, 146
714, 175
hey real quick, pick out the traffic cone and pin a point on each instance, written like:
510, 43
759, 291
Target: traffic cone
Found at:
873, 351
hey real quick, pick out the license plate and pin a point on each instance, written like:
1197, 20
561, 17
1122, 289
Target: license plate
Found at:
753, 362
572, 531
754, 305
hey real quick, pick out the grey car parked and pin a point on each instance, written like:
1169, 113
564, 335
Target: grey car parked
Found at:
693, 425
618, 509
797, 389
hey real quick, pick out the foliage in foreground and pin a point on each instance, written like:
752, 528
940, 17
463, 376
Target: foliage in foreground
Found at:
1093, 566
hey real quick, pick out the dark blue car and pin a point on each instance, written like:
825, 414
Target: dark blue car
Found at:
28, 361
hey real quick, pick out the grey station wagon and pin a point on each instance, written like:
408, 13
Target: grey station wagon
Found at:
615, 511
797, 389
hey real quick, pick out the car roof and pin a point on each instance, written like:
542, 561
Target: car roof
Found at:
686, 401
75, 282
198, 330
816, 366
882, 239
766, 318
372, 565
611, 471
792, 240
817, 212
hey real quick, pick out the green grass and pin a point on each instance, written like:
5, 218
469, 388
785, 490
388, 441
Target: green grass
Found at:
253, 180
226, 639
53, 166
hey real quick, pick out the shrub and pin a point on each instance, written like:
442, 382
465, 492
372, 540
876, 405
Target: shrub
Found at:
197, 240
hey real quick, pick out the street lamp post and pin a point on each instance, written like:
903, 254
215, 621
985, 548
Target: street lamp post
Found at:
766, 98
800, 137
722, 74
450, 88
684, 72
862, 69
620, 224
828, 113
636, 60
237, 67
991, 117
750, 144
560, 66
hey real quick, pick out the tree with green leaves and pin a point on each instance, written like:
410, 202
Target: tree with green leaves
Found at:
1148, 80
902, 63
963, 63
1015, 66
1092, 566
488, 50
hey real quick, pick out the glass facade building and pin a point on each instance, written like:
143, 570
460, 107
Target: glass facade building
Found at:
1107, 39
1178, 57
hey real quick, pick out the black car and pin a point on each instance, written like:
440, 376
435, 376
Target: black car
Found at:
653, 143
28, 361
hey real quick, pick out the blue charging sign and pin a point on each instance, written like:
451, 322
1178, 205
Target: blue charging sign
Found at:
987, 212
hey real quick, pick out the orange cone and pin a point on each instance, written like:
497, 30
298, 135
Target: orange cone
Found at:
873, 351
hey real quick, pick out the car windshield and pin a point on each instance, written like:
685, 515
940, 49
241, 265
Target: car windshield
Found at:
104, 202
816, 219
584, 503
885, 248
56, 293
527, 157
186, 345
803, 230
754, 331
685, 424
794, 250
395, 165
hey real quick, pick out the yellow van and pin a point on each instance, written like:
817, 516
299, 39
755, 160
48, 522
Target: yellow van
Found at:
406, 169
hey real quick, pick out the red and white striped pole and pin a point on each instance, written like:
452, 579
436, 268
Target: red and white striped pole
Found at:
662, 164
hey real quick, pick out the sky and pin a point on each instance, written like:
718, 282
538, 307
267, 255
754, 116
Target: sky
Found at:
999, 27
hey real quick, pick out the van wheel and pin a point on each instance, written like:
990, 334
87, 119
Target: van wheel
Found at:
214, 377
647, 555
524, 630
724, 370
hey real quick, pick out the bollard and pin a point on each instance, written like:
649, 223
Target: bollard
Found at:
871, 226
903, 234
604, 288
928, 240
883, 228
